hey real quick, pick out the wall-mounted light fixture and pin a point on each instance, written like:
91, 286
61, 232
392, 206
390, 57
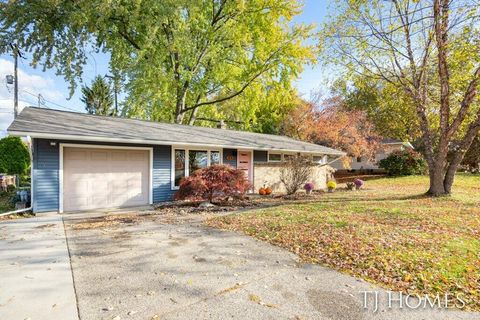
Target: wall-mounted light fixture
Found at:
53, 143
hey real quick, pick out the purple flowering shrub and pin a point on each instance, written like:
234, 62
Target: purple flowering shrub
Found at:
309, 186
358, 183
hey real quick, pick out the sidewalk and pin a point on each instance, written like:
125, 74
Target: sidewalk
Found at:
35, 275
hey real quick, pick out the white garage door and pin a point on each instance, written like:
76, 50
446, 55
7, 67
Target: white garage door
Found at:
104, 178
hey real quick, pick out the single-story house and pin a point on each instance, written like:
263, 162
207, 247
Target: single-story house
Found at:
85, 162
386, 147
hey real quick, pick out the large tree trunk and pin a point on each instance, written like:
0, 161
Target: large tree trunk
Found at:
437, 178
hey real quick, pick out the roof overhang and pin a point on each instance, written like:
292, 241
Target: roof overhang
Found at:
41, 135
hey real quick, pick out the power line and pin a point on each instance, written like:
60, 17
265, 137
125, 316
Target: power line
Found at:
43, 101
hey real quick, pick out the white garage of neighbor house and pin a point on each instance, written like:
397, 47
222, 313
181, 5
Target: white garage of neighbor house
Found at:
86, 162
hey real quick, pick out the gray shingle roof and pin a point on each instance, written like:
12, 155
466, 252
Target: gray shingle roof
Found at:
55, 124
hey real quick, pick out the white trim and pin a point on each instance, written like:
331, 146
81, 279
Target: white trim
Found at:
155, 142
98, 146
60, 179
32, 180
187, 159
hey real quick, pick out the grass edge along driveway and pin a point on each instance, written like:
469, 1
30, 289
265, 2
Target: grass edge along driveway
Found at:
388, 234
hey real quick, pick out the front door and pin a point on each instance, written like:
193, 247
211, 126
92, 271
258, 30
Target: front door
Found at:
244, 163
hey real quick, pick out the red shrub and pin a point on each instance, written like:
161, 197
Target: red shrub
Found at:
214, 181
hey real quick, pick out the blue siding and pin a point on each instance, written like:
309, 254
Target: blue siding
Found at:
230, 157
45, 176
162, 166
260, 156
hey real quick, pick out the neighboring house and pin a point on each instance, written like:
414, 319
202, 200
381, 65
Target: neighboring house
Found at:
5, 181
85, 162
387, 146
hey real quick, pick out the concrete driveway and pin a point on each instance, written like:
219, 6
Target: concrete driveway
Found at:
156, 267
35, 275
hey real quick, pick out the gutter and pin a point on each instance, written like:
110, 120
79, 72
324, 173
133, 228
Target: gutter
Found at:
332, 161
156, 142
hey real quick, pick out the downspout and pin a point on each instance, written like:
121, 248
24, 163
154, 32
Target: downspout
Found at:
16, 211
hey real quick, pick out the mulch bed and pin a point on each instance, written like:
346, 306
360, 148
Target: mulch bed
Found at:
228, 204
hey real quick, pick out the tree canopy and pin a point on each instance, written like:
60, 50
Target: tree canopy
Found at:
98, 97
179, 59
14, 156
430, 50
329, 123
385, 105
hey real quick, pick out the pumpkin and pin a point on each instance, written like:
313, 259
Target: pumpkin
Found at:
262, 191
268, 190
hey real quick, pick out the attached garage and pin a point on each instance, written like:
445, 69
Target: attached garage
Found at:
96, 177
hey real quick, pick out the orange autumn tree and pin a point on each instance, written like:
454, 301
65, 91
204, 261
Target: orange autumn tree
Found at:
329, 123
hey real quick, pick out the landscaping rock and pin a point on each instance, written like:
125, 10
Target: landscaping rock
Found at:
206, 204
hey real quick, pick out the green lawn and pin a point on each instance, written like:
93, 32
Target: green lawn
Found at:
388, 234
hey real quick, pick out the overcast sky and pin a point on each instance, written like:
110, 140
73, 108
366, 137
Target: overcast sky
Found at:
54, 90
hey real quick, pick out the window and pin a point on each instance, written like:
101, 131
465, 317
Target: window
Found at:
179, 166
197, 160
317, 159
186, 161
214, 157
359, 159
274, 157
287, 157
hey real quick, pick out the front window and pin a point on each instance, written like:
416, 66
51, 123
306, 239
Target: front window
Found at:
197, 160
214, 157
274, 157
188, 161
179, 166
317, 159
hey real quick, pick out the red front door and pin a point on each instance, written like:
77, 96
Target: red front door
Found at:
244, 163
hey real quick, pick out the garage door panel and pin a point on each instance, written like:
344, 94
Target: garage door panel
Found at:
136, 156
102, 178
76, 155
99, 155
119, 156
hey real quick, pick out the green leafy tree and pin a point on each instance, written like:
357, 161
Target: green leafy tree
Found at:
14, 156
386, 105
179, 57
430, 50
98, 98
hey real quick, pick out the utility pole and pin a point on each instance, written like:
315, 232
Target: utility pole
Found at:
15, 77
